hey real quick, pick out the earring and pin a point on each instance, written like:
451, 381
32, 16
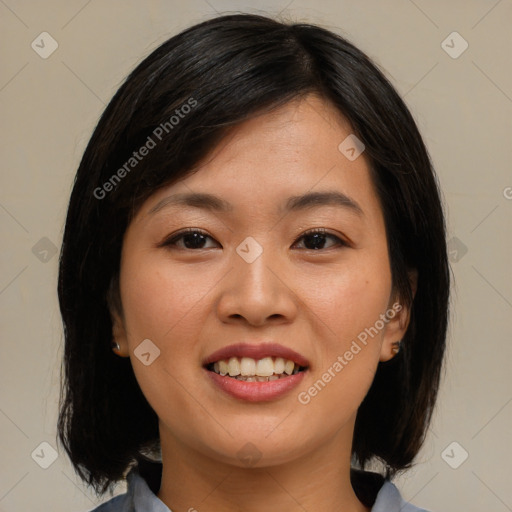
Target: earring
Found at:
115, 345
396, 347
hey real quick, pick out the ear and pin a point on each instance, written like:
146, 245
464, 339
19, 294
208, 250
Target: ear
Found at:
400, 316
119, 337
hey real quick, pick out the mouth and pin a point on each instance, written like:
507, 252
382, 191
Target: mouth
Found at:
256, 373
248, 369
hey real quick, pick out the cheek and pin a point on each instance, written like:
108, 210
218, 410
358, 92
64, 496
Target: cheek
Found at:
360, 301
162, 305
337, 386
350, 309
162, 302
350, 297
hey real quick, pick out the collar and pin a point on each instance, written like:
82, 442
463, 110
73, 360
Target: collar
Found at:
371, 488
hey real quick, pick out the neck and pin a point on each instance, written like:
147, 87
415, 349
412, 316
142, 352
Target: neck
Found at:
318, 481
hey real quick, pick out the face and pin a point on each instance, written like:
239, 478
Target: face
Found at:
311, 276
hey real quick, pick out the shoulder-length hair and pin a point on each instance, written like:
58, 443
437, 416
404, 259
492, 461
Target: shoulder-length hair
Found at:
184, 97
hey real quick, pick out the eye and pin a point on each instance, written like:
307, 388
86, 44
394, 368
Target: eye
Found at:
192, 239
316, 239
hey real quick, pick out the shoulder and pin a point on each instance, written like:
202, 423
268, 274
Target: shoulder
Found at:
378, 493
120, 503
390, 500
123, 502
138, 498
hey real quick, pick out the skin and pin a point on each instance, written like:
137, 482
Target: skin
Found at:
192, 301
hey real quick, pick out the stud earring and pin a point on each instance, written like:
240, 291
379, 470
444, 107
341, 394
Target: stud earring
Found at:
396, 347
115, 345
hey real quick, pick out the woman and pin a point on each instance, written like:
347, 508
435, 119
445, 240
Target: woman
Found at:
253, 279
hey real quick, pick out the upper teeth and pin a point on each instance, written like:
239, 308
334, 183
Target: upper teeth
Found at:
247, 366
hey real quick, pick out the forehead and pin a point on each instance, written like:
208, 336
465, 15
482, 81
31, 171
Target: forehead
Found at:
265, 160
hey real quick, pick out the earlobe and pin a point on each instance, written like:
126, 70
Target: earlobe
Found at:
115, 346
119, 342
389, 351
395, 332
398, 324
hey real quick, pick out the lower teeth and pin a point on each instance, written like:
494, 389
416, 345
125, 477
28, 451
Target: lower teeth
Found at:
257, 378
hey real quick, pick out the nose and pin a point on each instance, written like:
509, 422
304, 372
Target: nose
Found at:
258, 292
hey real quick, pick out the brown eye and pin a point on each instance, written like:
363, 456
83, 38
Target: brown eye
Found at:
315, 239
189, 239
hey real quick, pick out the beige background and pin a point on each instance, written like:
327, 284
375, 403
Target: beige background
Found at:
463, 106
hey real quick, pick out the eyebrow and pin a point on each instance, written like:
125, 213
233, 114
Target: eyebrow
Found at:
211, 202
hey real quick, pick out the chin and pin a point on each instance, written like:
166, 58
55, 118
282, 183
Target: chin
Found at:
259, 449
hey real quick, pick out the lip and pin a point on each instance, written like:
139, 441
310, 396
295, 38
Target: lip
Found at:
258, 351
256, 391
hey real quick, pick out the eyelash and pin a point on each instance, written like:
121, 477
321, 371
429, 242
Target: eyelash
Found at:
171, 241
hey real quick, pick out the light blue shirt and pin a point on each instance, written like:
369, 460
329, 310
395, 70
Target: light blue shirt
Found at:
140, 498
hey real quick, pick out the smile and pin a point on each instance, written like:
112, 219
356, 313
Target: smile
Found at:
248, 369
255, 372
